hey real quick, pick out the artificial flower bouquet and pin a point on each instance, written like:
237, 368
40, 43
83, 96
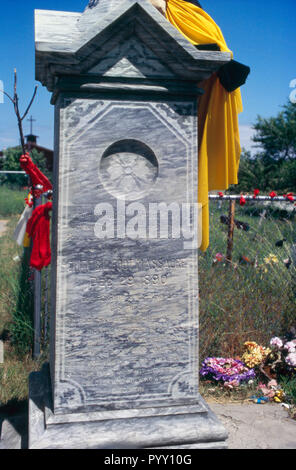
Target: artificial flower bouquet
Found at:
254, 354
282, 358
231, 372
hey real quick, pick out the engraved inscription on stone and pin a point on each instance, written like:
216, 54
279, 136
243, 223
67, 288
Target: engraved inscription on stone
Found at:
128, 170
127, 307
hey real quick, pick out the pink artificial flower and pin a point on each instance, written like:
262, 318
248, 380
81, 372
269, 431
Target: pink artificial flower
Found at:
272, 383
291, 359
231, 384
291, 346
219, 257
267, 392
276, 342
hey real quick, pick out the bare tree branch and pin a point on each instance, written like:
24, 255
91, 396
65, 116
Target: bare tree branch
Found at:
31, 102
15, 102
6, 94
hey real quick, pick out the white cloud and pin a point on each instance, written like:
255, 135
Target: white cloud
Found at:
246, 134
6, 142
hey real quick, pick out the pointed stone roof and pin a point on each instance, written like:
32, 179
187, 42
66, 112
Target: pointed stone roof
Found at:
131, 33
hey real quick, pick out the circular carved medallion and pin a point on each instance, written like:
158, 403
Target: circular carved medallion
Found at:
128, 170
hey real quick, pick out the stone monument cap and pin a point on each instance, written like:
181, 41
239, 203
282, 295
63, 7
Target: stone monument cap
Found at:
73, 43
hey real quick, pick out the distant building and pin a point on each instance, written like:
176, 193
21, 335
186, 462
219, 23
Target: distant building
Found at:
31, 143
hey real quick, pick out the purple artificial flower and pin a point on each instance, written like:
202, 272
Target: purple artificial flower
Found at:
226, 370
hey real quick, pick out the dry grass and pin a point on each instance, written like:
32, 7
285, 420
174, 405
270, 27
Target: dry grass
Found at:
236, 303
16, 368
240, 303
14, 374
214, 393
11, 201
8, 272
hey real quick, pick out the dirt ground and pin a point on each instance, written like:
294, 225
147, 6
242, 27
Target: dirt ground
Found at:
3, 226
249, 426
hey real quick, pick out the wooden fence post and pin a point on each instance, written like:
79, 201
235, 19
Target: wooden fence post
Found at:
37, 302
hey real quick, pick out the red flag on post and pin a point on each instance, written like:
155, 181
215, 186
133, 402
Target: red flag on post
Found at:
36, 176
38, 230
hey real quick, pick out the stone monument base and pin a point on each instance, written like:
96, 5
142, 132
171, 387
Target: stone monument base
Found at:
180, 427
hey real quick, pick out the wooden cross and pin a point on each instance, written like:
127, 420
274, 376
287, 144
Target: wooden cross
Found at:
31, 120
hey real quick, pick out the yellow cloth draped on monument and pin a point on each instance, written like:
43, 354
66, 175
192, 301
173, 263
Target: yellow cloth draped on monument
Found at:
219, 140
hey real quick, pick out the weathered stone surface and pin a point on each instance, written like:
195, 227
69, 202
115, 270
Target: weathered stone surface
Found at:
11, 439
144, 428
249, 426
136, 340
74, 44
14, 428
131, 59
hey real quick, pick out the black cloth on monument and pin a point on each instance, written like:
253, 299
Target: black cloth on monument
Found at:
233, 75
208, 47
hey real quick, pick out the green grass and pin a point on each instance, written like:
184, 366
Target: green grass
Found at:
16, 296
16, 306
11, 201
237, 303
9, 273
289, 386
15, 329
240, 303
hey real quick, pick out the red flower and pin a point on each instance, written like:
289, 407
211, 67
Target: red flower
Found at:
220, 194
242, 201
256, 192
219, 257
290, 197
273, 194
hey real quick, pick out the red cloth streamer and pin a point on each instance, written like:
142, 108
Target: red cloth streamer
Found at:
38, 230
36, 176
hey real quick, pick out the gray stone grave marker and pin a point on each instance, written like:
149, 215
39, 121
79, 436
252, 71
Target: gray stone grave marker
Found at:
124, 325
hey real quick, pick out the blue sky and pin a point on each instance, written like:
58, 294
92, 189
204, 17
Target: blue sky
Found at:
260, 33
